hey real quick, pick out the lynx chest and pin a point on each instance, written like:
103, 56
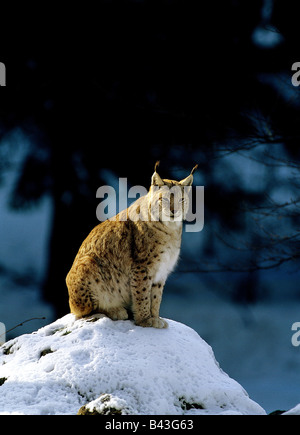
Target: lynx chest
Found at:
167, 262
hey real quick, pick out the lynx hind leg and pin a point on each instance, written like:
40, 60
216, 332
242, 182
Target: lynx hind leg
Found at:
88, 294
79, 282
81, 305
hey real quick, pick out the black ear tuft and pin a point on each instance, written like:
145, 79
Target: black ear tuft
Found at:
194, 169
156, 165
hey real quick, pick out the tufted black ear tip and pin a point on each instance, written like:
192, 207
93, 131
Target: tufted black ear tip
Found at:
194, 169
156, 165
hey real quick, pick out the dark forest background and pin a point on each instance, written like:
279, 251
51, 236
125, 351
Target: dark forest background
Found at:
114, 87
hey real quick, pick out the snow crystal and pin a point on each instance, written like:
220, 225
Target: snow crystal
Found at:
107, 365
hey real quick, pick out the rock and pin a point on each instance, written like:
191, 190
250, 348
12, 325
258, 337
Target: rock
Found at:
106, 404
115, 367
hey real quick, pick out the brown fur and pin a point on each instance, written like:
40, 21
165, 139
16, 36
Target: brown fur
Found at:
124, 262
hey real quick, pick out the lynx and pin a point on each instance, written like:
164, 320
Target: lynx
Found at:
123, 264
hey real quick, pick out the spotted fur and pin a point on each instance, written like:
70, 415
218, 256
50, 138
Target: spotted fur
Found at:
123, 264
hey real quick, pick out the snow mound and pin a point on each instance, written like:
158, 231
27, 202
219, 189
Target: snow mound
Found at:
293, 411
116, 367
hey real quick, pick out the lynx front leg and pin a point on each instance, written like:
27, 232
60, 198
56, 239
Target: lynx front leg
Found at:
141, 288
156, 296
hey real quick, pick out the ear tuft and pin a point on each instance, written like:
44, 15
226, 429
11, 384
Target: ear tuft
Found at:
188, 181
156, 180
194, 169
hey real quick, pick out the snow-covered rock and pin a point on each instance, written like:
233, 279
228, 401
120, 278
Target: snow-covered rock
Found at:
113, 367
293, 411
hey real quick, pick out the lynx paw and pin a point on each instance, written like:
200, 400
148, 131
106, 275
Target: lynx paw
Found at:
118, 314
153, 322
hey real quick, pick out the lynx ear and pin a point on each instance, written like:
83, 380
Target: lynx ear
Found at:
188, 181
156, 180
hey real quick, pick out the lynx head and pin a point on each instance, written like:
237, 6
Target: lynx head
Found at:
169, 199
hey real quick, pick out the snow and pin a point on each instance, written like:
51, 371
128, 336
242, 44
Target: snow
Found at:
115, 365
293, 411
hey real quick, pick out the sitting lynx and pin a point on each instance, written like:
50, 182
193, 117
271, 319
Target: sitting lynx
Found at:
124, 262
